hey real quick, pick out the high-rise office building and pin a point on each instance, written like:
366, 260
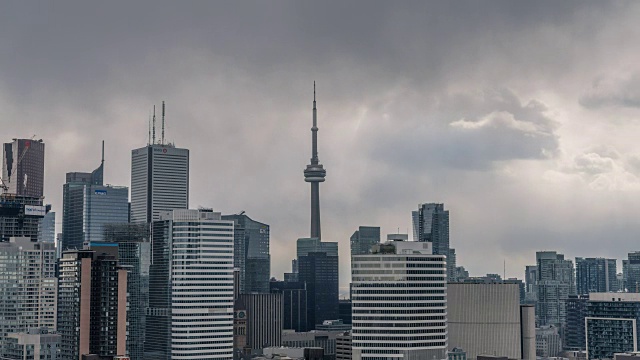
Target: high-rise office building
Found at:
611, 324
595, 275
363, 239
304, 246
320, 272
315, 173
251, 253
294, 302
134, 254
92, 298
631, 272
264, 319
28, 288
47, 227
399, 294
191, 305
20, 216
556, 281
159, 181
530, 278
88, 205
23, 167
487, 318
87, 208
433, 227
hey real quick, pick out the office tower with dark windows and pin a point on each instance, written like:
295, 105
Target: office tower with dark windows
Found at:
320, 272
251, 253
28, 289
556, 281
159, 181
574, 339
433, 227
595, 275
264, 319
191, 305
134, 254
363, 239
20, 216
631, 272
389, 323
88, 206
304, 246
294, 304
344, 310
23, 167
92, 298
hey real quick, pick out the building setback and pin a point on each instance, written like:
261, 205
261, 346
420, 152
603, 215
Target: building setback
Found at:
191, 306
28, 289
486, 318
399, 299
92, 298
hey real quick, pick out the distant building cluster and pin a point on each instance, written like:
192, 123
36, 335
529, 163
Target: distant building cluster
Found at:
135, 274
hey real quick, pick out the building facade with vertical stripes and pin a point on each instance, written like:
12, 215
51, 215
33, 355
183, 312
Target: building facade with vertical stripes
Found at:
190, 313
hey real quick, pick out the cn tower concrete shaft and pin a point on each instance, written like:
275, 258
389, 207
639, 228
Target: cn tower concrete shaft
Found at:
315, 173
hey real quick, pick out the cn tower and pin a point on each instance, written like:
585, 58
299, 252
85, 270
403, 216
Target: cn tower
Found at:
315, 173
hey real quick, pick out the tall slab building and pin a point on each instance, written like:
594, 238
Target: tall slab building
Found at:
159, 181
191, 304
433, 226
23, 167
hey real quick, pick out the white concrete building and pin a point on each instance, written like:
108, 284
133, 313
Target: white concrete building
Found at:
399, 302
190, 287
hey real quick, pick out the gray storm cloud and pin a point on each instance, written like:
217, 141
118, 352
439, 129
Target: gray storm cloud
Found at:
483, 106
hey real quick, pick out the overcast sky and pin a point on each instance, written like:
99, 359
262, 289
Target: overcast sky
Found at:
521, 116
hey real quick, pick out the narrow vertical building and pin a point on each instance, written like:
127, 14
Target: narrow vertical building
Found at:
92, 298
555, 282
191, 304
23, 167
433, 227
264, 320
251, 253
399, 300
320, 272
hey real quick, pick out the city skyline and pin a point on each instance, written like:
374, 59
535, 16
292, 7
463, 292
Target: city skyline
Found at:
543, 137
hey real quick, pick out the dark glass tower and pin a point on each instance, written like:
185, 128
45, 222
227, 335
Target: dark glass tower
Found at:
315, 173
294, 300
363, 239
595, 275
251, 253
320, 273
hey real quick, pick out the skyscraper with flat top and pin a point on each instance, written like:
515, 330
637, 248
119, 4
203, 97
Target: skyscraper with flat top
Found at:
23, 169
315, 173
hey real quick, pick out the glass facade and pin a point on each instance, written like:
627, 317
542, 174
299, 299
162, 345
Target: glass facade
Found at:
363, 239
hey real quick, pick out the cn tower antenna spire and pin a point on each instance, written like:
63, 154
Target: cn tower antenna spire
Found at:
315, 173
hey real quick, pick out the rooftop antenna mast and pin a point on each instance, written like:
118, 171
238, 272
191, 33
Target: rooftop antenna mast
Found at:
154, 125
163, 122
149, 138
102, 154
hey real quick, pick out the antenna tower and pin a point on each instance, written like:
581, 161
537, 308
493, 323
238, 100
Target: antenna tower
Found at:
154, 125
163, 122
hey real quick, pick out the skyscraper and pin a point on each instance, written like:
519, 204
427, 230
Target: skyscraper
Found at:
410, 327
47, 227
264, 319
92, 298
595, 275
191, 305
294, 302
23, 167
363, 239
159, 178
20, 216
315, 173
88, 206
320, 272
631, 271
251, 253
611, 324
556, 281
433, 227
305, 246
28, 288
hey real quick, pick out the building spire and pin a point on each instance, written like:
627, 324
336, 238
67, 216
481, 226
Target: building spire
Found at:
315, 173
